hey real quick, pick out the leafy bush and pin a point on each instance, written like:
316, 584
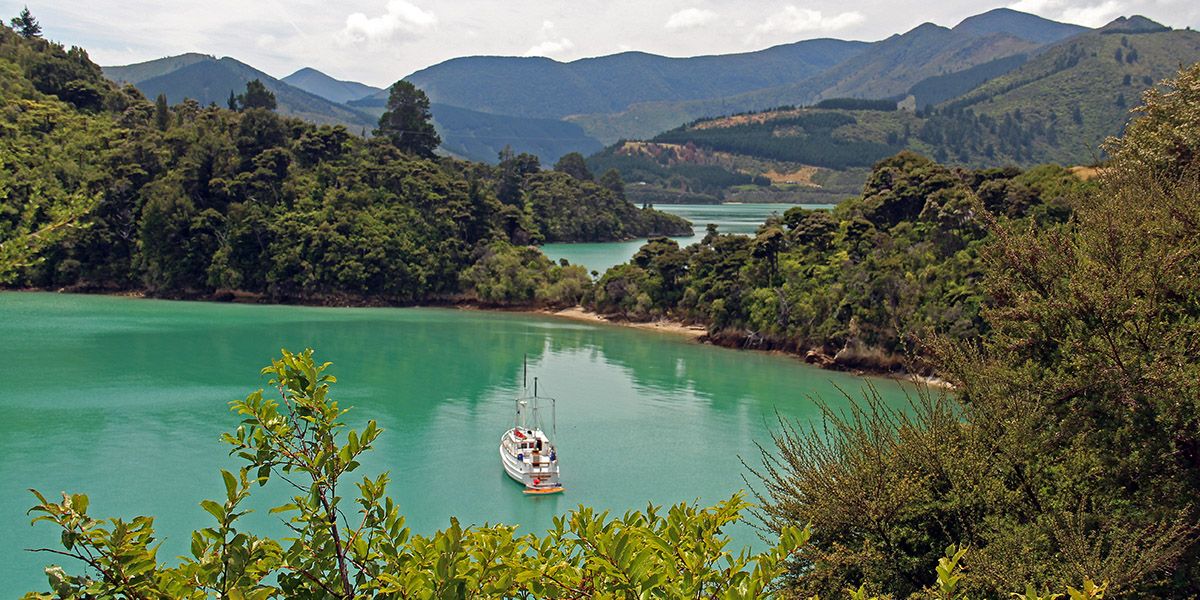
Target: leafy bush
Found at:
515, 276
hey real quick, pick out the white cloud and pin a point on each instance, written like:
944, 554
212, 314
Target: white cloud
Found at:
690, 18
1088, 14
401, 17
793, 20
551, 47
552, 43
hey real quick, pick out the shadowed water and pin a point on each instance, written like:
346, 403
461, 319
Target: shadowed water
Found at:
125, 399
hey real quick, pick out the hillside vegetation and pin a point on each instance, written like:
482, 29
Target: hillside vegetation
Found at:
888, 68
334, 90
1063, 312
1058, 106
188, 200
208, 80
542, 87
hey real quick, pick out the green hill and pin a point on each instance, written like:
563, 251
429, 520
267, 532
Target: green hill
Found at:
142, 71
542, 87
1058, 106
1082, 88
334, 90
209, 81
888, 68
1018, 24
481, 136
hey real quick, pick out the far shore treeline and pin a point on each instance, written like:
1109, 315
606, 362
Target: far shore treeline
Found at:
1065, 312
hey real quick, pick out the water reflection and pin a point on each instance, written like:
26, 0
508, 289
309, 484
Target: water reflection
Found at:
125, 399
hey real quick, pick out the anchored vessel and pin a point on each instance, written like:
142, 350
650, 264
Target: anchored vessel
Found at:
526, 452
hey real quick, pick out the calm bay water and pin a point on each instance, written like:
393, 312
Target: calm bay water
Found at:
729, 218
125, 399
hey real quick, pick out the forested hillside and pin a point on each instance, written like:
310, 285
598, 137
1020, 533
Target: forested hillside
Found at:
542, 87
334, 90
209, 80
888, 68
186, 200
1058, 106
853, 285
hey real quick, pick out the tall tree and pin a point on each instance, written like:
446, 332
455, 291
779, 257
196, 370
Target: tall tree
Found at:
162, 116
257, 96
513, 170
407, 123
574, 165
232, 102
611, 179
26, 25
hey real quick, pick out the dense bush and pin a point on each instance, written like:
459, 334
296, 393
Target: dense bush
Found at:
188, 201
510, 275
807, 138
901, 259
1069, 448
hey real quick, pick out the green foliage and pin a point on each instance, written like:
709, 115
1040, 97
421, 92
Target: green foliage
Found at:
191, 201
858, 284
573, 164
407, 122
256, 96
571, 209
25, 25
1067, 452
523, 276
53, 160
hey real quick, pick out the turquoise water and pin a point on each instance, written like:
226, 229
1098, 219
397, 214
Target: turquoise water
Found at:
729, 218
125, 399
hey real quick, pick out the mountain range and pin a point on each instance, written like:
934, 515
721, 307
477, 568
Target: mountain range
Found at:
316, 97
483, 103
1056, 105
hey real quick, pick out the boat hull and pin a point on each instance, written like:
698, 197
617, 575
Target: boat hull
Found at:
537, 478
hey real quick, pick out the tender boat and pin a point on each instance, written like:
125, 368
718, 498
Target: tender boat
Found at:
526, 452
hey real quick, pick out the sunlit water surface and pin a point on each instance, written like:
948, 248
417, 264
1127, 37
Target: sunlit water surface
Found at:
125, 399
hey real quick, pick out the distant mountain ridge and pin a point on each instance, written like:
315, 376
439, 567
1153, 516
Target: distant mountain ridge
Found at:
1030, 28
653, 93
207, 79
542, 87
483, 103
334, 90
312, 95
1056, 105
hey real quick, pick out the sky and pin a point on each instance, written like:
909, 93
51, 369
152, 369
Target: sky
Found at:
380, 41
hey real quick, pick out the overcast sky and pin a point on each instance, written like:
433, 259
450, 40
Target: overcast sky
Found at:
380, 41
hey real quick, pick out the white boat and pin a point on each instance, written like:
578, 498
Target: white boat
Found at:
527, 454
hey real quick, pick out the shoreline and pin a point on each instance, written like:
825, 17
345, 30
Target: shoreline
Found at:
699, 334
693, 333
579, 313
